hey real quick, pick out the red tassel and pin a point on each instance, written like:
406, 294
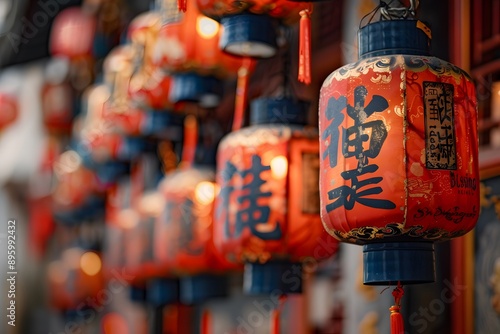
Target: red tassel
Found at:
242, 93
190, 141
206, 322
397, 323
182, 5
305, 46
276, 316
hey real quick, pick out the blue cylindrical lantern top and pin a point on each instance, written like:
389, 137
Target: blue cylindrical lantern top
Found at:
410, 37
249, 35
278, 111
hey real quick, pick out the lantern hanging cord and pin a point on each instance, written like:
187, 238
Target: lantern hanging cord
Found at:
393, 10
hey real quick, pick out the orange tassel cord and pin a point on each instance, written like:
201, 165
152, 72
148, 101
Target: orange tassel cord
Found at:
276, 316
182, 5
397, 323
305, 46
242, 93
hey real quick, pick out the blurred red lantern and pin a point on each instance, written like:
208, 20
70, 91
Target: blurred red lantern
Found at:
249, 27
148, 86
75, 281
184, 230
151, 91
76, 184
189, 42
10, 109
57, 107
267, 211
184, 233
100, 135
57, 97
73, 33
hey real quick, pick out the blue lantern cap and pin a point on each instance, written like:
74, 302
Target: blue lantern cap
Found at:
278, 111
198, 289
109, 172
277, 277
248, 35
410, 37
392, 262
162, 291
92, 208
162, 124
137, 294
191, 87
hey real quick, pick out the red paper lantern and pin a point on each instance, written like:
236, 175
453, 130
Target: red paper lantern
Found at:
189, 42
73, 33
57, 107
399, 152
10, 109
280, 9
148, 86
184, 235
99, 135
151, 91
140, 238
184, 229
76, 184
75, 280
249, 29
267, 211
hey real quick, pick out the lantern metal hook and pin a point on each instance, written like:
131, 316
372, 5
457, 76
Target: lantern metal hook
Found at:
396, 10
392, 10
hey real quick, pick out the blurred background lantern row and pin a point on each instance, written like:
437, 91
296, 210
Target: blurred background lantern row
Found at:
173, 187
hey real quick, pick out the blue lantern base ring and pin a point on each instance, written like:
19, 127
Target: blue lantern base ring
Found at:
200, 288
274, 277
248, 35
392, 262
191, 87
137, 294
162, 291
278, 111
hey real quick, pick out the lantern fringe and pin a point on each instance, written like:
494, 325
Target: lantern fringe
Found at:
305, 46
242, 93
397, 323
276, 316
182, 5
206, 322
190, 141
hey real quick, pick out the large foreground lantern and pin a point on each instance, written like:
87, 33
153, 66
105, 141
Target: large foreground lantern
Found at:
267, 211
399, 152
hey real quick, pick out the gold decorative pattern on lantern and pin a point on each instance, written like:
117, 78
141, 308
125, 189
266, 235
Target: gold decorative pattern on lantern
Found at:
362, 234
386, 64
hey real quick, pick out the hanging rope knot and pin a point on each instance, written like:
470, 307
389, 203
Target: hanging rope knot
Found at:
394, 10
398, 293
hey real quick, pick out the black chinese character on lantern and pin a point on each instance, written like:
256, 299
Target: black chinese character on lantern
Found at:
439, 126
181, 215
353, 139
252, 213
